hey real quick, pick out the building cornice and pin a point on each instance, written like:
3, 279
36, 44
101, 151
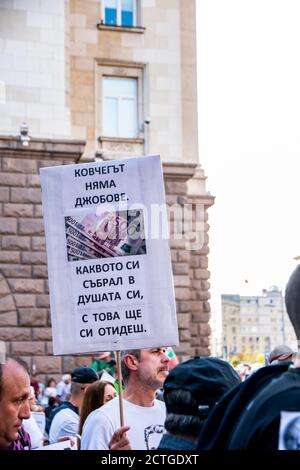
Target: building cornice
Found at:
179, 171
66, 149
192, 174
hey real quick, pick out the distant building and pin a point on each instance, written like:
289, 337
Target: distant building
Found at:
253, 324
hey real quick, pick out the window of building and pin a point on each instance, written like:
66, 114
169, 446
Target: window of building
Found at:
121, 108
120, 12
120, 117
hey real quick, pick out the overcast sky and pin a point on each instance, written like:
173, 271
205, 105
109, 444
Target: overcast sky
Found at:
249, 139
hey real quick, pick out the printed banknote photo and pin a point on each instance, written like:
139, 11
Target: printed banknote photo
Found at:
107, 235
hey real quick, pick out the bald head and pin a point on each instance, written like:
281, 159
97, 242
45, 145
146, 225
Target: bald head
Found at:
11, 368
14, 400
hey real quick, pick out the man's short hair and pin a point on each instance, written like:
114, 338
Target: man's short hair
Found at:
124, 369
19, 361
75, 389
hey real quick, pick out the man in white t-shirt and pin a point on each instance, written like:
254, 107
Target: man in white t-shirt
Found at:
65, 418
144, 371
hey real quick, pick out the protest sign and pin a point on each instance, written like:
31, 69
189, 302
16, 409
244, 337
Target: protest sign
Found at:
64, 445
40, 419
110, 275
289, 430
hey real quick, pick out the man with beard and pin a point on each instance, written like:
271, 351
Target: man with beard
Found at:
144, 371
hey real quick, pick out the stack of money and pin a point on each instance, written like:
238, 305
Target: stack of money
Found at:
108, 235
135, 239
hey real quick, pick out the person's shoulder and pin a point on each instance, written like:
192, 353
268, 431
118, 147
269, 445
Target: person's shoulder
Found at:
65, 414
110, 405
105, 410
103, 415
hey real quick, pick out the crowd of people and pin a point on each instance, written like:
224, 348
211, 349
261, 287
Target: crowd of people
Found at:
200, 404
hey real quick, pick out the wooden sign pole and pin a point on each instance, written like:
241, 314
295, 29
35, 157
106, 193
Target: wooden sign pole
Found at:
119, 373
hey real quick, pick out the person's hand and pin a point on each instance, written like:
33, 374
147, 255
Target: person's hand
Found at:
120, 441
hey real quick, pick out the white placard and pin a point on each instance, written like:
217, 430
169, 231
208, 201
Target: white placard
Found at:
64, 445
109, 264
289, 430
40, 419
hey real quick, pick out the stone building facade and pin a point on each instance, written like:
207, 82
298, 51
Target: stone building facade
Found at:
57, 57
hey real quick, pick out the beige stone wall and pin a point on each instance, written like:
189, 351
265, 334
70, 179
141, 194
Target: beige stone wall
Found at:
33, 68
190, 264
24, 301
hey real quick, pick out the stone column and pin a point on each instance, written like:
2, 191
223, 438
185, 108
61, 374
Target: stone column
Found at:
185, 187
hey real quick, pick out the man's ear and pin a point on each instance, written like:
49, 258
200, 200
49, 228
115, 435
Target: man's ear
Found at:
131, 362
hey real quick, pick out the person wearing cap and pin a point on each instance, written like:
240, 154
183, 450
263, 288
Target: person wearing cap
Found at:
190, 391
143, 371
282, 353
64, 420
